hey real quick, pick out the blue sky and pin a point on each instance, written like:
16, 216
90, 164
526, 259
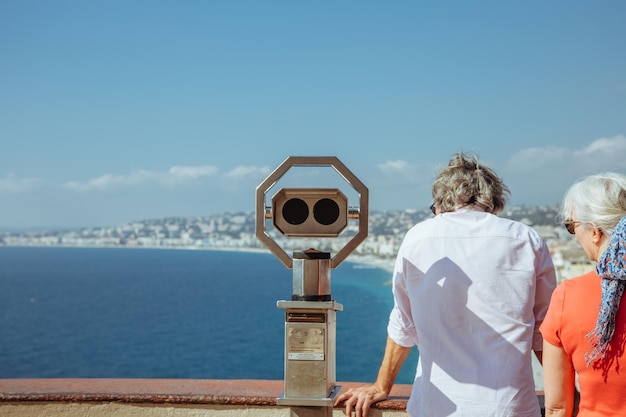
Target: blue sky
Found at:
114, 111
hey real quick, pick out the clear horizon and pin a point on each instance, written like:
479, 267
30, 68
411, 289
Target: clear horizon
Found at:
117, 111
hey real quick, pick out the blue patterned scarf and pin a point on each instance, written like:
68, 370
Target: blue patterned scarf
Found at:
612, 269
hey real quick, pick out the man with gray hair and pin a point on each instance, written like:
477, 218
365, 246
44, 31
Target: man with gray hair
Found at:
470, 291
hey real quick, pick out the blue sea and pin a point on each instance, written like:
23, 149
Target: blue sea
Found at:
160, 313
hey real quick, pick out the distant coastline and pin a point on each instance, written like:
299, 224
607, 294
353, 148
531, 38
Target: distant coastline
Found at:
361, 261
236, 232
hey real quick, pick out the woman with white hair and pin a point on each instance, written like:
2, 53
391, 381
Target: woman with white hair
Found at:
585, 329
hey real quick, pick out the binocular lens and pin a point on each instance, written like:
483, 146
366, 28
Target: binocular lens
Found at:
295, 211
326, 211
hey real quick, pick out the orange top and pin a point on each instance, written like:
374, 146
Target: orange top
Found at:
571, 316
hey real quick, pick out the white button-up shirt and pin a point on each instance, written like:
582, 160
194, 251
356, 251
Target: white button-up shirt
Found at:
471, 290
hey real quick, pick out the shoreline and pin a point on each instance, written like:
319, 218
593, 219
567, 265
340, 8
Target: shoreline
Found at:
360, 261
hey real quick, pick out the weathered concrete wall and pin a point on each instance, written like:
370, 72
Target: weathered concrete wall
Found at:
164, 398
48, 409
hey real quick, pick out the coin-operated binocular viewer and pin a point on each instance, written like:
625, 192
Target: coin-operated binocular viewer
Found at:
310, 315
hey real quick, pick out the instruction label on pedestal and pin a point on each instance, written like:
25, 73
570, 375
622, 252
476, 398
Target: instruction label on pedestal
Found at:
305, 343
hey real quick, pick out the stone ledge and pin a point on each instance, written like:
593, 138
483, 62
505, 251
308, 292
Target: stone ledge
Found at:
171, 391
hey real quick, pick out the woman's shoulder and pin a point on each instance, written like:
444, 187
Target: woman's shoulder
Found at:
588, 283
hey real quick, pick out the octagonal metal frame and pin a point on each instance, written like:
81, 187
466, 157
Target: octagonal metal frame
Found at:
262, 212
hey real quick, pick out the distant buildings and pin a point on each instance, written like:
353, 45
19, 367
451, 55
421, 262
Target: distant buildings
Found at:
236, 231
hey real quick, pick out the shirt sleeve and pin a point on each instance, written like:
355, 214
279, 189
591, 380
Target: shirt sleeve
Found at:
545, 284
551, 326
401, 328
397, 331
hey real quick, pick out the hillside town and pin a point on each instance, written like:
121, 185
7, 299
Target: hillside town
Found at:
237, 232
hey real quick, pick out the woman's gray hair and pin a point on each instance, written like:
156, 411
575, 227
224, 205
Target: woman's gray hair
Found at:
599, 199
465, 182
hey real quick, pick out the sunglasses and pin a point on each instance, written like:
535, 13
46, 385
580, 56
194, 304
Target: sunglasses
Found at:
433, 208
570, 225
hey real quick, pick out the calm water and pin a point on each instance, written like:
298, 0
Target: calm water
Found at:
142, 313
